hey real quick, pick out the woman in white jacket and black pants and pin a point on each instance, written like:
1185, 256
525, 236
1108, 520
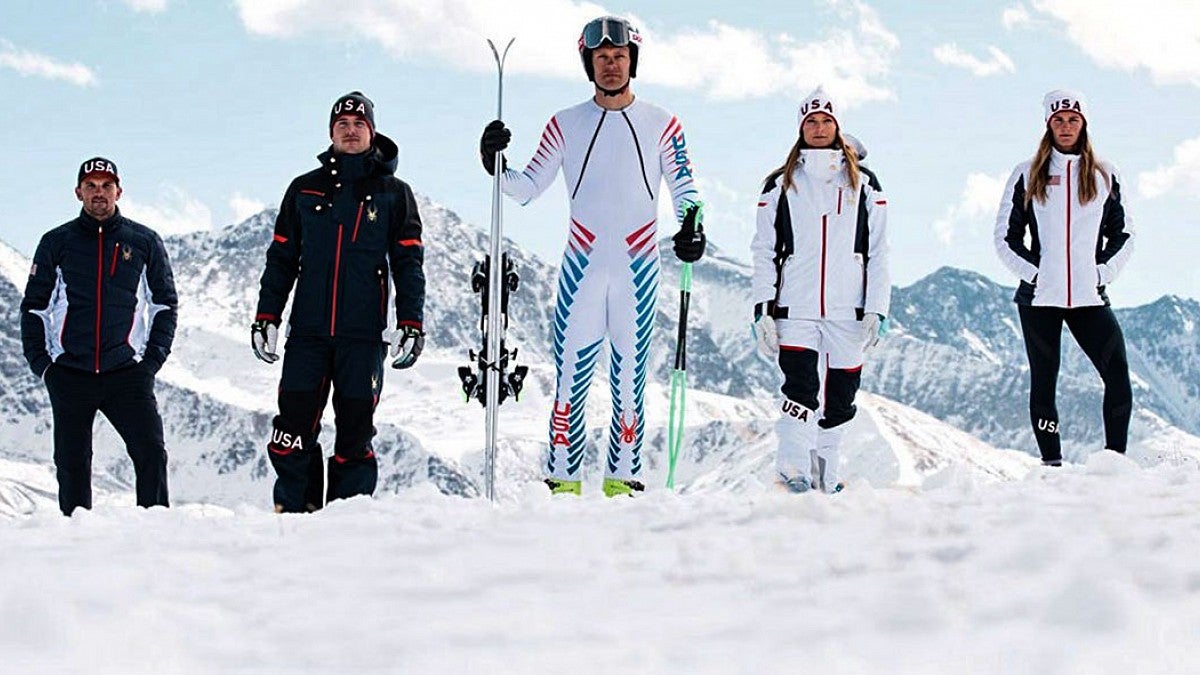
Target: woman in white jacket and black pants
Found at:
821, 289
1062, 229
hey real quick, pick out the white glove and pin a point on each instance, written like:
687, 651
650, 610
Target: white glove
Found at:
407, 344
264, 335
767, 336
874, 327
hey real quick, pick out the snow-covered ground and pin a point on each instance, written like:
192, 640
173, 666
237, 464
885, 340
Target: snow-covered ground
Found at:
1086, 569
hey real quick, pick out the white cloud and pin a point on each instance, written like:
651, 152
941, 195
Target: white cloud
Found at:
245, 207
950, 55
852, 58
152, 6
175, 212
32, 64
1015, 15
975, 212
1161, 37
1182, 176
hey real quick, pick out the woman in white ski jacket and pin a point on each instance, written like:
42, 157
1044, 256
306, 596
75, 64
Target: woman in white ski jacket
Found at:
1062, 229
821, 289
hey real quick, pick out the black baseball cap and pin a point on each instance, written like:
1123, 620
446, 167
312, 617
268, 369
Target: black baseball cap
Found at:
98, 165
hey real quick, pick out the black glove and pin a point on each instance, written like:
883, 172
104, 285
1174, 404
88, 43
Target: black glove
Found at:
690, 240
495, 139
264, 335
407, 344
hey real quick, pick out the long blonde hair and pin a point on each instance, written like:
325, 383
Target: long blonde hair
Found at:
793, 158
1039, 170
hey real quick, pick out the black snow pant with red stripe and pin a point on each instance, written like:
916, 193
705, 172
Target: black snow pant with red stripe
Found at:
126, 398
1099, 336
312, 366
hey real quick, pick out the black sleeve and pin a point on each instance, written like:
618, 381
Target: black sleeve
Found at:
161, 282
1020, 220
39, 291
1112, 226
406, 254
283, 261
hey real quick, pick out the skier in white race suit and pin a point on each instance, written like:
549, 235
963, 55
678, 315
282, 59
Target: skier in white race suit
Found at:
821, 289
614, 151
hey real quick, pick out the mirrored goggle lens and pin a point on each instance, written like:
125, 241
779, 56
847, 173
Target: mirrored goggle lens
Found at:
614, 31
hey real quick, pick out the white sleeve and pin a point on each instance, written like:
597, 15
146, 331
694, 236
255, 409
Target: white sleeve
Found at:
762, 248
525, 186
1012, 222
879, 277
677, 167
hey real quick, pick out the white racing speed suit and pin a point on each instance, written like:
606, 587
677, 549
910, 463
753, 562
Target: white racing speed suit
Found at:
613, 162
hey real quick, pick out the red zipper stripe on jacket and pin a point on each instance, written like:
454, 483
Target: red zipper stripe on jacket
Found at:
824, 241
337, 270
357, 219
99, 288
1068, 233
112, 267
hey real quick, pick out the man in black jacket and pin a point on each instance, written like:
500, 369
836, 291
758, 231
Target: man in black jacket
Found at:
346, 232
97, 323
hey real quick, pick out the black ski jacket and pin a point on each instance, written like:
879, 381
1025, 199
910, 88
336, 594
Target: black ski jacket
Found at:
344, 229
100, 297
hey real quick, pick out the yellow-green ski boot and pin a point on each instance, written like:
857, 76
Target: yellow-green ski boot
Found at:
564, 487
614, 487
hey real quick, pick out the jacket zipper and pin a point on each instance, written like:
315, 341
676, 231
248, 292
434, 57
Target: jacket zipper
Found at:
99, 289
1068, 233
112, 267
824, 242
357, 219
337, 269
383, 297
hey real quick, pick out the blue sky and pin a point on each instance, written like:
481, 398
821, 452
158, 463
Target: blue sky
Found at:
210, 108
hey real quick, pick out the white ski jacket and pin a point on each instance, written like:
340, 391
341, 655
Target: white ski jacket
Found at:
822, 252
1064, 252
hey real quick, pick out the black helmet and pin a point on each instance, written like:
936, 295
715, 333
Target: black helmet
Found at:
611, 29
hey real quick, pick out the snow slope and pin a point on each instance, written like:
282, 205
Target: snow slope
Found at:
1088, 569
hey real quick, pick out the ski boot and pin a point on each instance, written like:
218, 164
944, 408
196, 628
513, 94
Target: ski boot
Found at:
564, 487
614, 487
794, 484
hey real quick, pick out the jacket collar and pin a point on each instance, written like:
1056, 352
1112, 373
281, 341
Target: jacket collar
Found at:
824, 165
92, 226
1058, 160
381, 160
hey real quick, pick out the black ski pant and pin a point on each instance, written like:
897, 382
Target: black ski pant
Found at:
802, 384
1099, 335
312, 367
126, 398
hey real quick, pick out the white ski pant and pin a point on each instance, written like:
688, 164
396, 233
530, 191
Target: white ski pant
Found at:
821, 360
605, 289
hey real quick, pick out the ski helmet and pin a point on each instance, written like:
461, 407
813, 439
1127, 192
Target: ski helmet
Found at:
611, 29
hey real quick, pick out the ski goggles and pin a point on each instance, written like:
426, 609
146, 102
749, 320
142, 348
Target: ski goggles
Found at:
613, 30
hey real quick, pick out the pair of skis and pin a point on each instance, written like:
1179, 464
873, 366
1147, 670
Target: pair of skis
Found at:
494, 283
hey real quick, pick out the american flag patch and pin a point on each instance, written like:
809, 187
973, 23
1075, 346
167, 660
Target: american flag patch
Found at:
1054, 180
33, 270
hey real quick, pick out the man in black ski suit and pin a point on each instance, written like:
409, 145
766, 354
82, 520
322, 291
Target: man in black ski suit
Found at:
345, 233
97, 322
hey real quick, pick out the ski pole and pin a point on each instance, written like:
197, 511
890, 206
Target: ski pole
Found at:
495, 278
679, 376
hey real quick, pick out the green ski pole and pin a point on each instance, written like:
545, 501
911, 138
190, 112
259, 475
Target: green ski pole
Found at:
679, 376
